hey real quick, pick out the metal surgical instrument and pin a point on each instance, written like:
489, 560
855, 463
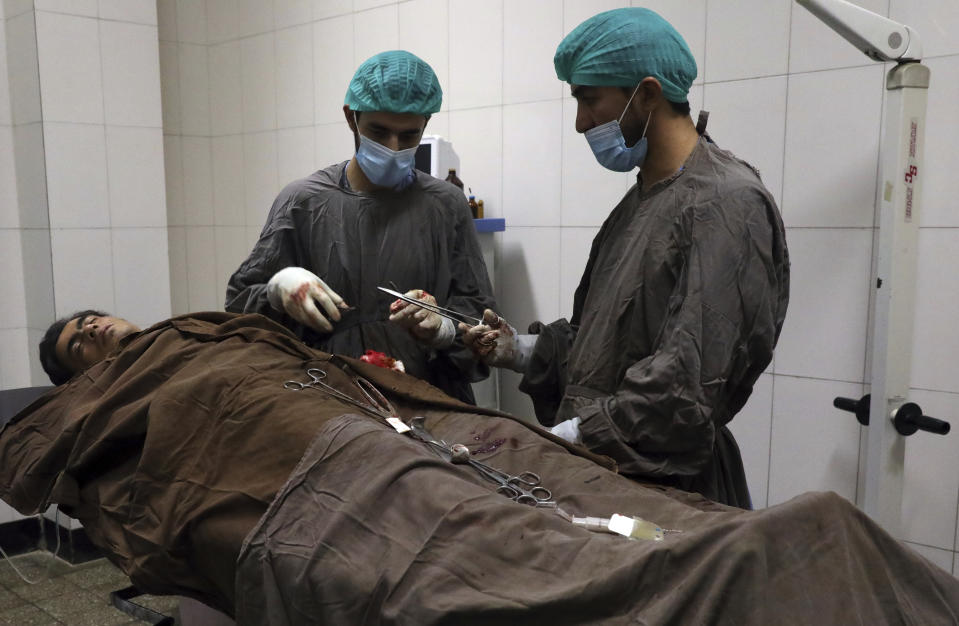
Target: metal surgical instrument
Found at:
524, 488
456, 316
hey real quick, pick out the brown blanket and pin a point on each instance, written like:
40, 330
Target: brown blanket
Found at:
185, 442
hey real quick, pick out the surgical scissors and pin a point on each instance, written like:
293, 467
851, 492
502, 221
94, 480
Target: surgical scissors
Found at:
450, 314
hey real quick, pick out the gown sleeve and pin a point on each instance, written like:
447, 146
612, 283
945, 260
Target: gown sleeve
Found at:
274, 250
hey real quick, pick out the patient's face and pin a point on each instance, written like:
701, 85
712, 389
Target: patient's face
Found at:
87, 340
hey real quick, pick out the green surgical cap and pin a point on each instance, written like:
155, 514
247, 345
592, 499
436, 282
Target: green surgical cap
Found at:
620, 48
395, 82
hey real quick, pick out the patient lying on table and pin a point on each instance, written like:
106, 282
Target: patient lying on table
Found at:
216, 456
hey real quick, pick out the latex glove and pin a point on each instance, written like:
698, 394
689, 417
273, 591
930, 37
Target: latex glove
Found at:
568, 430
297, 291
426, 326
495, 342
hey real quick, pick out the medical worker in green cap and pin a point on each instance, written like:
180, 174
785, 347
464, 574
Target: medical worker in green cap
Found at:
332, 238
686, 286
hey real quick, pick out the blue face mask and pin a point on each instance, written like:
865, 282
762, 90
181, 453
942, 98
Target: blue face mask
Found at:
609, 145
385, 167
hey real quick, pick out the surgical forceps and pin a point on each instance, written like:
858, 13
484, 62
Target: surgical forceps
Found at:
450, 314
378, 405
524, 488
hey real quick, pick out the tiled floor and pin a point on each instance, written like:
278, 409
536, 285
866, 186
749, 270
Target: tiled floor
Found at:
77, 595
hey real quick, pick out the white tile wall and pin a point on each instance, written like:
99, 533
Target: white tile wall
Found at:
13, 307
69, 55
23, 68
256, 16
481, 165
138, 11
14, 344
261, 181
941, 558
375, 31
294, 154
941, 138
231, 250
179, 275
323, 9
733, 54
173, 169
813, 46
529, 75
577, 11
294, 77
936, 22
476, 53
424, 31
82, 269
839, 190
134, 169
197, 181
292, 12
31, 175
9, 212
166, 20
170, 87
202, 292
935, 342
13, 8
87, 8
332, 69
226, 89
37, 255
748, 117
131, 76
191, 21
527, 287
752, 427
194, 86
258, 68
223, 20
333, 144
228, 191
133, 250
829, 288
575, 244
76, 175
931, 477
5, 117
814, 447
532, 133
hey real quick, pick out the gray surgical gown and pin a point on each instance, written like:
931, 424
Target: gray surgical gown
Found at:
419, 238
675, 318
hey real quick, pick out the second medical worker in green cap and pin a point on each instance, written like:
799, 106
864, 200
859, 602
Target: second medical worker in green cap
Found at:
332, 238
686, 285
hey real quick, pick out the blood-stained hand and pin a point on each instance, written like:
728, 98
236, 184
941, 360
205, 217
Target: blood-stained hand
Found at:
297, 291
426, 326
493, 342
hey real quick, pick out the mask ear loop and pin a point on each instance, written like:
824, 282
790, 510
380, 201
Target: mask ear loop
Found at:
623, 114
648, 117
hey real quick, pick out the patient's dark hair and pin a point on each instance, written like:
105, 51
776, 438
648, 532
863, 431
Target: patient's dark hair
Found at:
57, 372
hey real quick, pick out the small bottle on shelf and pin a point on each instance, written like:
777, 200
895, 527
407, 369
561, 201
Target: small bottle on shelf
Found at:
453, 178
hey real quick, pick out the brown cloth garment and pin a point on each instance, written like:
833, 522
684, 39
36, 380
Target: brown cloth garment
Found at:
676, 316
184, 442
